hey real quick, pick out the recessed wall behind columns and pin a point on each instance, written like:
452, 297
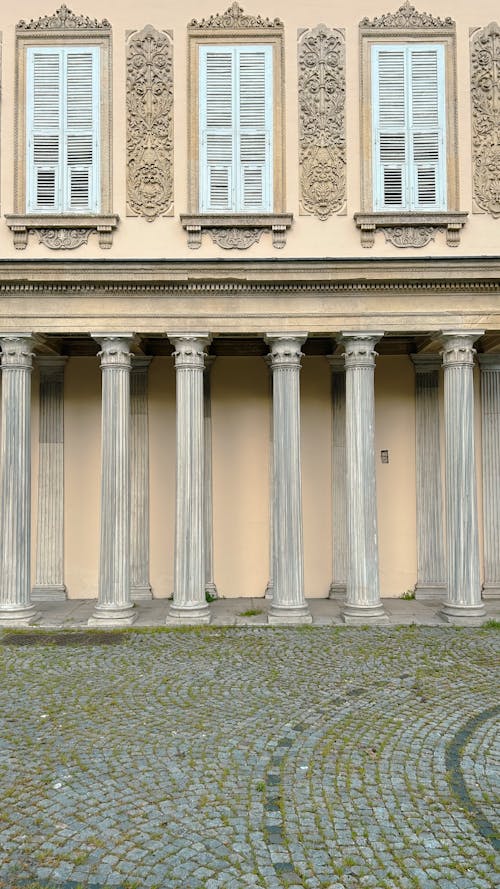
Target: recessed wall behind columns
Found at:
396, 480
162, 475
82, 476
241, 453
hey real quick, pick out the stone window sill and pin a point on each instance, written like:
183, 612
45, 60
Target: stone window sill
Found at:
410, 229
62, 232
236, 231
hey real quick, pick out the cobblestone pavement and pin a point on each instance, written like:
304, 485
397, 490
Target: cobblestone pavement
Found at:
238, 757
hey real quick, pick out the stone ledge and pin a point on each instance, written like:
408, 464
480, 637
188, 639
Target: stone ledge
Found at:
235, 231
410, 229
63, 231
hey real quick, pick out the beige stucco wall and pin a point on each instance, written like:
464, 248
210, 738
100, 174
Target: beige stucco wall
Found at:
309, 237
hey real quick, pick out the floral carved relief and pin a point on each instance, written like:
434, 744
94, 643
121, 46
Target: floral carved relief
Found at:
322, 153
149, 124
485, 93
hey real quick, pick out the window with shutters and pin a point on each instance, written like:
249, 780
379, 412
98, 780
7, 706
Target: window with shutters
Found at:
63, 144
409, 184
236, 181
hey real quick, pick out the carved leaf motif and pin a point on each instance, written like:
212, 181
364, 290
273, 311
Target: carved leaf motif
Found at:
149, 123
321, 57
62, 238
236, 19
61, 20
235, 238
485, 92
409, 235
407, 17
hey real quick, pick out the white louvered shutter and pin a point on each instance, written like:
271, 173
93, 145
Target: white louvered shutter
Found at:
63, 130
409, 166
44, 147
235, 129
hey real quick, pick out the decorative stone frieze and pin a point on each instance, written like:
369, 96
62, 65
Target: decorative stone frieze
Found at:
64, 20
463, 600
62, 238
288, 602
235, 238
485, 95
322, 142
407, 17
410, 229
150, 97
189, 603
431, 572
234, 19
49, 571
362, 603
114, 605
16, 607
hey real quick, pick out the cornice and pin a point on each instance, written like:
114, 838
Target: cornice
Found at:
63, 19
235, 19
407, 17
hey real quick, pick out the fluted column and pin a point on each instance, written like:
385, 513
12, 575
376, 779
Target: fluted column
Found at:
189, 604
363, 603
140, 587
16, 608
463, 600
49, 571
338, 585
272, 546
490, 415
288, 603
114, 606
431, 571
210, 587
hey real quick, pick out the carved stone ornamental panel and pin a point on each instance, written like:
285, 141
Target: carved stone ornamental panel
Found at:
322, 154
149, 124
485, 93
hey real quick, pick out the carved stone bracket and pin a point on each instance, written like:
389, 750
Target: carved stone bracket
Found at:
485, 95
410, 230
150, 123
322, 158
62, 233
238, 231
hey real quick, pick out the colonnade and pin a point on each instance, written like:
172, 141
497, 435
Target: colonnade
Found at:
448, 563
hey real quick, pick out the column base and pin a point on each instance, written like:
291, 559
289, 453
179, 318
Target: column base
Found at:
211, 589
269, 590
141, 593
282, 614
18, 617
357, 615
464, 615
186, 615
337, 591
50, 592
491, 590
112, 617
434, 591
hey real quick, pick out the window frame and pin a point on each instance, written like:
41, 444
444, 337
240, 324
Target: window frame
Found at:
52, 32
408, 27
236, 29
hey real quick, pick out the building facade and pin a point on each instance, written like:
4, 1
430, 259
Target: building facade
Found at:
250, 316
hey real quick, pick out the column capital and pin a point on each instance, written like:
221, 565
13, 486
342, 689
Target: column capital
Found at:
140, 363
51, 367
17, 350
115, 349
425, 362
285, 349
458, 347
489, 361
190, 349
360, 348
